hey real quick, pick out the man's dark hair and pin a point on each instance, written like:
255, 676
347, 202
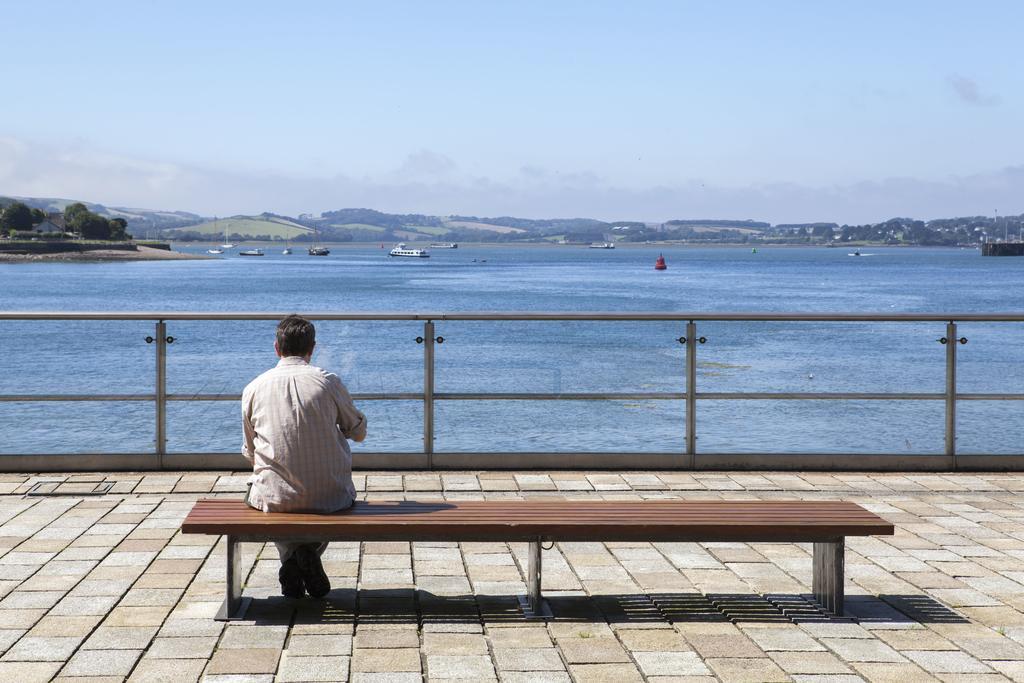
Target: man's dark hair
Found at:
295, 336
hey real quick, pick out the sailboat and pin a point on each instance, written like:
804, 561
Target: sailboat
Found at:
287, 248
226, 245
316, 249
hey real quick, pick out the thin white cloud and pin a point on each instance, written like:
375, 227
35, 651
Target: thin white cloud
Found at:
431, 183
968, 91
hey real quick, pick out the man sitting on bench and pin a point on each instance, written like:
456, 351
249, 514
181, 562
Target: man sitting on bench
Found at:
296, 422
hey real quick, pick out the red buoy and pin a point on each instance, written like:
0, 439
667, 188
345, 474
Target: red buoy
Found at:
660, 263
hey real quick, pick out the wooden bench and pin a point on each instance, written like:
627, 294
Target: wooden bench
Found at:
823, 523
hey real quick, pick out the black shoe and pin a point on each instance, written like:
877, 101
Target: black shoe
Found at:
313, 574
290, 577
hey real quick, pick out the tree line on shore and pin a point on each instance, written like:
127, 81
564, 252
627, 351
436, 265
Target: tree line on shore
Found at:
17, 220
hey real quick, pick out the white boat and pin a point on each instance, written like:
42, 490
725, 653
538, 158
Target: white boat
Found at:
214, 251
286, 251
251, 252
602, 245
445, 245
226, 245
316, 249
401, 250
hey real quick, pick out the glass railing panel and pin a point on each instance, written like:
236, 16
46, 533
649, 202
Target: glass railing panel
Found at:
216, 427
559, 356
992, 360
989, 427
77, 357
221, 357
59, 427
560, 426
810, 426
820, 357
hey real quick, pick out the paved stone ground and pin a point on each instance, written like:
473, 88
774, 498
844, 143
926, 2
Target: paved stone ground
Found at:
104, 588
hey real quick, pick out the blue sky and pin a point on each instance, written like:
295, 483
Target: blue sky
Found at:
651, 110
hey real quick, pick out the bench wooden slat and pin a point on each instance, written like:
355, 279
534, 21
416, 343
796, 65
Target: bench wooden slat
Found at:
556, 520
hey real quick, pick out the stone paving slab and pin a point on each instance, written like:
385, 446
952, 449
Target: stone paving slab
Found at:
105, 588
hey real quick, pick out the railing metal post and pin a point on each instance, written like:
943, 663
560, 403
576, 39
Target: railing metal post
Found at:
161, 392
951, 342
428, 392
691, 394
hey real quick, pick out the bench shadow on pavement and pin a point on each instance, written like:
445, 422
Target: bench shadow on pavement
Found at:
408, 606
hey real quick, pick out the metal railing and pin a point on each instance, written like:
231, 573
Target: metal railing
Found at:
689, 459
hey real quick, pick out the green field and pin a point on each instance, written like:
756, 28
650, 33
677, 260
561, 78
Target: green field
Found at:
428, 230
484, 226
358, 226
409, 235
249, 227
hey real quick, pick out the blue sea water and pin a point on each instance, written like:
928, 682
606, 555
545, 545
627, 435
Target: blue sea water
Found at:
112, 357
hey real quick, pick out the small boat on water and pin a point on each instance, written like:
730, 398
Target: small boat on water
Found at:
401, 250
317, 249
445, 245
602, 245
855, 253
214, 251
287, 251
251, 252
660, 263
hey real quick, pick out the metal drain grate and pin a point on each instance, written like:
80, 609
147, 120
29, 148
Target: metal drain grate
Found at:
47, 489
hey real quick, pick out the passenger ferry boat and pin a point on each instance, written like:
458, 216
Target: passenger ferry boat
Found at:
602, 245
445, 245
401, 250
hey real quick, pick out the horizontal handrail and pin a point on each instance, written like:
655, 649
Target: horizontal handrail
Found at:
589, 396
677, 316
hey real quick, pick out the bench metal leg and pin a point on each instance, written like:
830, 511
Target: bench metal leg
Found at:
533, 577
533, 604
828, 575
234, 606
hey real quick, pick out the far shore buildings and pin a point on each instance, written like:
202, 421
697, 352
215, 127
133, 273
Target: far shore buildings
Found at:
54, 222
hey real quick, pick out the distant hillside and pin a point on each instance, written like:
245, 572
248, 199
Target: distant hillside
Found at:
244, 227
486, 227
140, 221
748, 226
545, 226
370, 225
